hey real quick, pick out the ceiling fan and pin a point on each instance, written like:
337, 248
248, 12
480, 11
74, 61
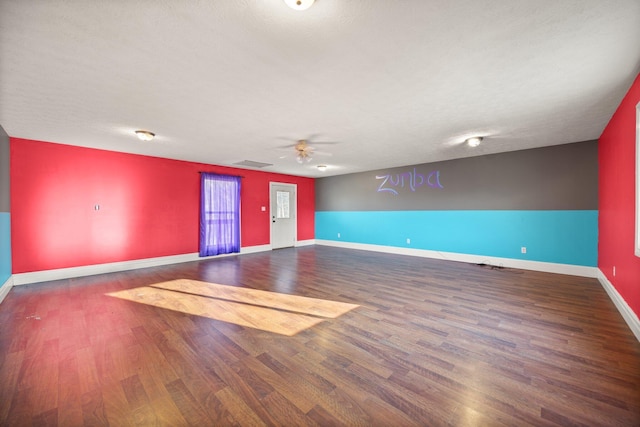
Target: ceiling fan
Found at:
305, 152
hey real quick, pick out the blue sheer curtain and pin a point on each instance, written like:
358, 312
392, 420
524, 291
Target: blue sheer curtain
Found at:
219, 214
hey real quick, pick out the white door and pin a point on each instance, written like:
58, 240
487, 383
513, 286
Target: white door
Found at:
283, 215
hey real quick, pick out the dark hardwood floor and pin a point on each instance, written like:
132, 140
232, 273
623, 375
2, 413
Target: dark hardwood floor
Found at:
430, 343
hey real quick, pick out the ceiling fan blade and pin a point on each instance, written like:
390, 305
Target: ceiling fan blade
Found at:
323, 153
310, 137
292, 141
324, 142
287, 138
287, 146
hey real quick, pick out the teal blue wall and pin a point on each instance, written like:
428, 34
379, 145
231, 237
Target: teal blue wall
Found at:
5, 209
558, 236
5, 247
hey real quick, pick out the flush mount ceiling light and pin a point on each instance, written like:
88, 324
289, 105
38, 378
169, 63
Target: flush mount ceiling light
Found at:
474, 142
145, 135
322, 168
299, 4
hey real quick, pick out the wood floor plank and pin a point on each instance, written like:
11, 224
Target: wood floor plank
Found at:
44, 392
187, 404
87, 372
69, 392
48, 418
284, 412
168, 414
395, 340
280, 384
93, 409
240, 410
9, 371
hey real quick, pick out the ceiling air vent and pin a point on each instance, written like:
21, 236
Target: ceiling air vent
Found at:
252, 164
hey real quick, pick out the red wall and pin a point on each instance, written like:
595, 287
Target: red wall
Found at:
149, 206
616, 220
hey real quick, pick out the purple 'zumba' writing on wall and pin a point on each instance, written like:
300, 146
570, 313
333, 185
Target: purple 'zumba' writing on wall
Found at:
411, 179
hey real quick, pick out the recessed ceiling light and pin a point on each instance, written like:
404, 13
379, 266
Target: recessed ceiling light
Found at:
299, 4
322, 168
475, 141
145, 135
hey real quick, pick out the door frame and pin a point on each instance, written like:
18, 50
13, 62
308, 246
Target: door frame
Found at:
294, 187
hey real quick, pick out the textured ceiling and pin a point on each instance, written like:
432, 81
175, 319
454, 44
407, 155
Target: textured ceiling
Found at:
391, 82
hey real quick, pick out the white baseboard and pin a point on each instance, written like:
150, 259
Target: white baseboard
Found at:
90, 270
309, 242
5, 288
627, 313
548, 267
253, 249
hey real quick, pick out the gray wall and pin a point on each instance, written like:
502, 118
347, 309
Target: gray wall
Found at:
561, 177
4, 171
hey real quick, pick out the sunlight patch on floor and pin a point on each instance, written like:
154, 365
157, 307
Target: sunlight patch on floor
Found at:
268, 311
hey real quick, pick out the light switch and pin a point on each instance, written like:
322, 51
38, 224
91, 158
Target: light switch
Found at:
263, 209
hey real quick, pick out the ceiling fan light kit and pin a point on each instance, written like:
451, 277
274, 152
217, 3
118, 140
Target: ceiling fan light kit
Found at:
303, 158
304, 151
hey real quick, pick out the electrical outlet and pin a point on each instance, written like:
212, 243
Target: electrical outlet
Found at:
523, 250
338, 235
408, 241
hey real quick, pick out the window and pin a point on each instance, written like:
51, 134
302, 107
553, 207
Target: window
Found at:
219, 214
282, 203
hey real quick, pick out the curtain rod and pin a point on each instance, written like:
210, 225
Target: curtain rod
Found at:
223, 174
